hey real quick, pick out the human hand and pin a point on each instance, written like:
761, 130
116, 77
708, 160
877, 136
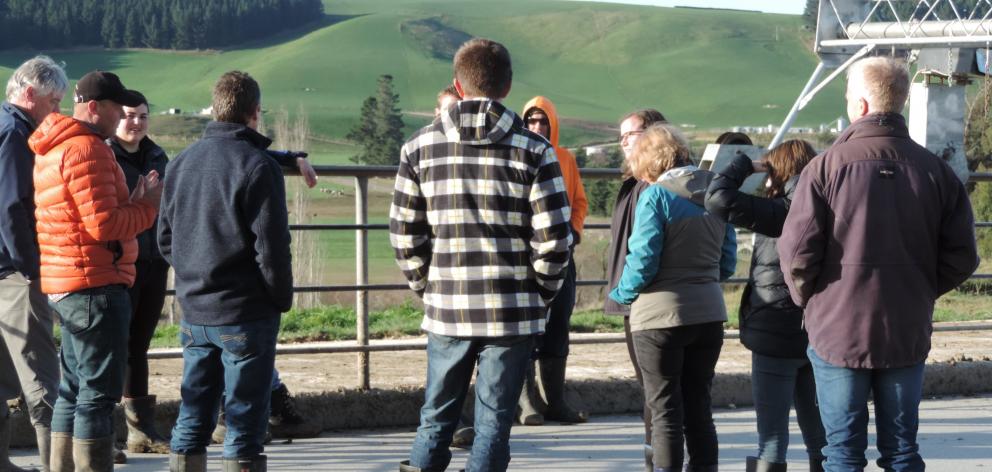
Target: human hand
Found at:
148, 190
760, 165
306, 171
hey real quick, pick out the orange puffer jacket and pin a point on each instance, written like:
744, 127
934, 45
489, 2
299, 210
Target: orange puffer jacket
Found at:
86, 222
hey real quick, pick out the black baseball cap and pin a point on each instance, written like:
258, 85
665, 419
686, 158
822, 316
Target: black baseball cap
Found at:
100, 85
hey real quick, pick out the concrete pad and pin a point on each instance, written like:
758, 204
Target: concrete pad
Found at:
955, 436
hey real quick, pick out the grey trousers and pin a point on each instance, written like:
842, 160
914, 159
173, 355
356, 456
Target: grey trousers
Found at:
29, 362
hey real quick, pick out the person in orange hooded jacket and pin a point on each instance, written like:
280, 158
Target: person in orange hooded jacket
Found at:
542, 118
87, 223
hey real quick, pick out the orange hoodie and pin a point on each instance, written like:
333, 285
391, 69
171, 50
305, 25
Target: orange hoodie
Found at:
569, 168
86, 222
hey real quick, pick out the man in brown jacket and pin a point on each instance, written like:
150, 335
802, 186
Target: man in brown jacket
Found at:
878, 229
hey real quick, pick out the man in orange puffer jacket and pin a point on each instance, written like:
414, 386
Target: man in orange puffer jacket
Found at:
87, 225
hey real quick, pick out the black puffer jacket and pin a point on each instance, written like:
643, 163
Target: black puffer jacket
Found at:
149, 157
770, 323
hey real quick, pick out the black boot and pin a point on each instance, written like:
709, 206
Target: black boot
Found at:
816, 465
285, 421
141, 434
5, 464
529, 403
553, 381
758, 465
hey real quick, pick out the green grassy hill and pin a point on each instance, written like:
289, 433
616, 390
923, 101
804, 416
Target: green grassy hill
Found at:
707, 68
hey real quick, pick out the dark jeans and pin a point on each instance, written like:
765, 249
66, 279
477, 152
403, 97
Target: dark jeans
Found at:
235, 361
777, 383
94, 351
677, 364
147, 299
450, 362
646, 414
553, 344
843, 394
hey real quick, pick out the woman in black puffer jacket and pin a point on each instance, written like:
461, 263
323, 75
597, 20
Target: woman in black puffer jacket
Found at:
771, 325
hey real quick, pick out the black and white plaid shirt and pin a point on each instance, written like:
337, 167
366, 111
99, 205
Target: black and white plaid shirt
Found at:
480, 222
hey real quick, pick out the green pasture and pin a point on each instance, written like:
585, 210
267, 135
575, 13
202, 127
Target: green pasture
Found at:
703, 68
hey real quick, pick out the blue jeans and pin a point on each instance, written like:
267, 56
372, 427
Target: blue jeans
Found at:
776, 383
230, 361
843, 395
95, 324
553, 344
450, 362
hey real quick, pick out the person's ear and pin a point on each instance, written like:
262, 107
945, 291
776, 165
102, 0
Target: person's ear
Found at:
863, 106
93, 107
458, 88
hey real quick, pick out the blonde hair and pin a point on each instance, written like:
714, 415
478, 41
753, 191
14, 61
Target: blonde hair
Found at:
660, 148
883, 81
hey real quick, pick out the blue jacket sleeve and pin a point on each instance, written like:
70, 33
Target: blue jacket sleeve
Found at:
728, 256
643, 248
17, 231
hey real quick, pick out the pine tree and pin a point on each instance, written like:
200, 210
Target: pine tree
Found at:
810, 14
364, 132
379, 132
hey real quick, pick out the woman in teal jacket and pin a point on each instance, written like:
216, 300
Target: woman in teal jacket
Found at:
678, 254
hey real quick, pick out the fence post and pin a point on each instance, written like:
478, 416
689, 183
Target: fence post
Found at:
362, 278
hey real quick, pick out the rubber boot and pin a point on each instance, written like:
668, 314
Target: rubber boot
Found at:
530, 413
553, 381
816, 465
43, 436
758, 465
188, 462
141, 435
60, 459
5, 464
94, 455
255, 464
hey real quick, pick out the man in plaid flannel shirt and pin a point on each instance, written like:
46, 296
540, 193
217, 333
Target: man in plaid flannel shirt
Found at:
480, 226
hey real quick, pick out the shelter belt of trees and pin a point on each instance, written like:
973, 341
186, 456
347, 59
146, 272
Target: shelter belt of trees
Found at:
165, 24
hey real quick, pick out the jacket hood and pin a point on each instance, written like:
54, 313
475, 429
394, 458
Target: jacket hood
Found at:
478, 122
689, 182
55, 130
549, 109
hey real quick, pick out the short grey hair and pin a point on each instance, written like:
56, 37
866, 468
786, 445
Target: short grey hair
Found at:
40, 72
883, 80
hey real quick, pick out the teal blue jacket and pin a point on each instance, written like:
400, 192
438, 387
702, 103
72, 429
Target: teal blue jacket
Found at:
675, 247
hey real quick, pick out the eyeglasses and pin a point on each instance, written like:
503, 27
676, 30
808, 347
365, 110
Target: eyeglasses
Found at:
534, 121
629, 134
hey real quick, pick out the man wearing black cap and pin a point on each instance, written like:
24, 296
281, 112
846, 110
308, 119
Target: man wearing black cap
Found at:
87, 223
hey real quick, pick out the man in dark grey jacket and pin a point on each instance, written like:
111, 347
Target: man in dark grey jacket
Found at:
878, 229
29, 362
224, 229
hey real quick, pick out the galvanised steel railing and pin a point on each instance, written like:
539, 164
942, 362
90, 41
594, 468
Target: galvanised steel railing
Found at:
362, 287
